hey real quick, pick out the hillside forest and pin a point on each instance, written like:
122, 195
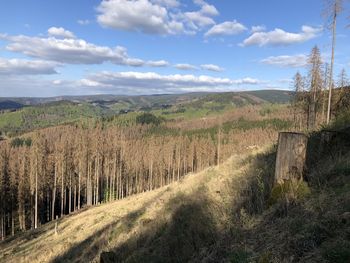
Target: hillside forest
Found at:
55, 171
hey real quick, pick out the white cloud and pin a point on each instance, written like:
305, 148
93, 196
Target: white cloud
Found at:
127, 83
57, 82
185, 66
285, 81
258, 28
83, 22
281, 37
90, 83
249, 81
71, 51
60, 32
295, 61
26, 67
140, 15
167, 3
226, 28
151, 82
212, 67
161, 17
158, 63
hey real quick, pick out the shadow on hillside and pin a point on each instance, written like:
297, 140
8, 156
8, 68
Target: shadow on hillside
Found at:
193, 229
193, 233
187, 230
325, 149
87, 250
190, 232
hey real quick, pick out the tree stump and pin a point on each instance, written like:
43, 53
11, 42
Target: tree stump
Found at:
291, 156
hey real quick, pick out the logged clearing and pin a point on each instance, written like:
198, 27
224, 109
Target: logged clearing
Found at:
81, 237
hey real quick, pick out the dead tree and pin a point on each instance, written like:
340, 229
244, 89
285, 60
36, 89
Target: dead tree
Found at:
291, 156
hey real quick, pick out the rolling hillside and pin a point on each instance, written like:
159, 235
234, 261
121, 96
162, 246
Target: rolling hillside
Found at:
29, 113
273, 96
45, 115
155, 225
228, 213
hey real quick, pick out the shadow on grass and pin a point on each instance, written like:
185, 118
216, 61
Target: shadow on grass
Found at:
195, 231
191, 227
190, 232
87, 250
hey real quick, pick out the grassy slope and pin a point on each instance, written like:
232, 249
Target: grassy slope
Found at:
223, 214
82, 237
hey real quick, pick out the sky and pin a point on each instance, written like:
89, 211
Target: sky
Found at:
139, 47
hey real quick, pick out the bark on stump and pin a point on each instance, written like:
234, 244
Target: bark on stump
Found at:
291, 156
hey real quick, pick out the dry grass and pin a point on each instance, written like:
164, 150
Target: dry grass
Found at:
83, 236
221, 214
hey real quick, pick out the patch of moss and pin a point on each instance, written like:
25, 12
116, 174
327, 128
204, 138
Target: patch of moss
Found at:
290, 190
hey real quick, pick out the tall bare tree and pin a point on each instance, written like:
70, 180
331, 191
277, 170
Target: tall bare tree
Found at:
298, 100
341, 98
332, 9
324, 91
315, 78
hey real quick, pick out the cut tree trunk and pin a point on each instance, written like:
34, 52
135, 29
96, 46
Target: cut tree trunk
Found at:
291, 156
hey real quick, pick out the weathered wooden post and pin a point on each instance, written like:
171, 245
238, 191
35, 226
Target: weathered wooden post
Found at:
291, 156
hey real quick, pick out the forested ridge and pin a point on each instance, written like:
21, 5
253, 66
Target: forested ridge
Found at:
35, 113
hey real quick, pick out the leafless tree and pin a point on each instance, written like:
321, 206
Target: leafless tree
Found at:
331, 11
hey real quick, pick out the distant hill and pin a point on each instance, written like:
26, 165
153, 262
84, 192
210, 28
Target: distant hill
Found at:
273, 96
49, 114
10, 105
245, 98
31, 113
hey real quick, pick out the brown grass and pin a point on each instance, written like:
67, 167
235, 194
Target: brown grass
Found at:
107, 226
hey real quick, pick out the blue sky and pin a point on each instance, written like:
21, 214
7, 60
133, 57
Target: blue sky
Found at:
50, 48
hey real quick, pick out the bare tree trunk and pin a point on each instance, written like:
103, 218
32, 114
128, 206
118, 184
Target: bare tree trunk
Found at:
32, 212
3, 234
151, 175
70, 194
75, 197
48, 203
36, 199
334, 27
79, 186
113, 190
89, 186
97, 180
62, 192
219, 146
13, 223
54, 194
